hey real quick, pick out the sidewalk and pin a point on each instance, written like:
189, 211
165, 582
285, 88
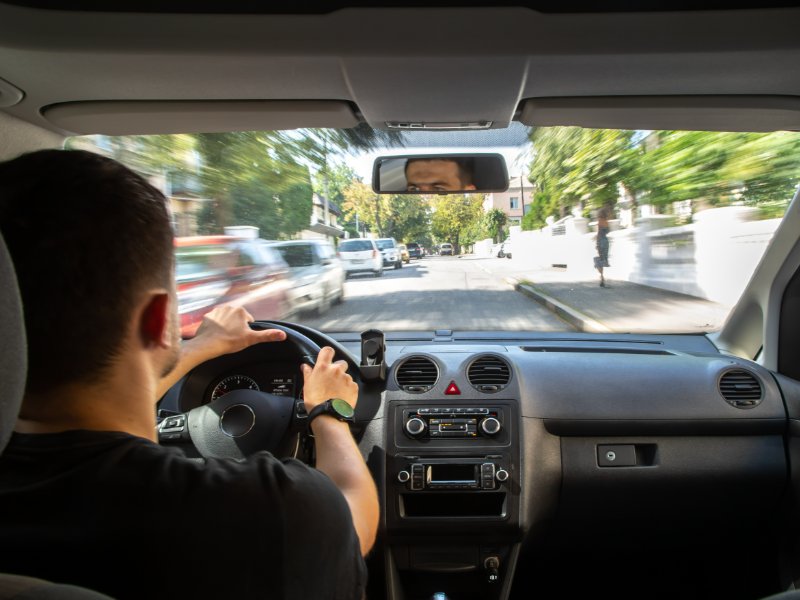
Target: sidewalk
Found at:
622, 306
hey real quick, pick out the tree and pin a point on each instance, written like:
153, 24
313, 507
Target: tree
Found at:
339, 177
494, 222
401, 216
542, 206
455, 217
254, 178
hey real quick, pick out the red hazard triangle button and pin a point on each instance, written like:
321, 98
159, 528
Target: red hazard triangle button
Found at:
452, 390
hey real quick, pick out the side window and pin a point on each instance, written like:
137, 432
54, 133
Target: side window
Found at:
247, 256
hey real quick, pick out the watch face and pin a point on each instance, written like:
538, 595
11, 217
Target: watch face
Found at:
342, 407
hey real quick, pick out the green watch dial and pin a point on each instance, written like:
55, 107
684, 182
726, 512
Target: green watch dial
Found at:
342, 407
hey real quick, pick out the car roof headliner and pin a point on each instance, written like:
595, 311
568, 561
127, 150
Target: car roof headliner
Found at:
82, 72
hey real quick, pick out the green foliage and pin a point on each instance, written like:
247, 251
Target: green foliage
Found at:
333, 181
542, 206
456, 219
586, 168
254, 178
403, 217
494, 223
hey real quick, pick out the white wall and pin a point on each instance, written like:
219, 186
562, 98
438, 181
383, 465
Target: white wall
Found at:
705, 259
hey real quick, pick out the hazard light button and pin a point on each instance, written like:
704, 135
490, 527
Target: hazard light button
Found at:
452, 390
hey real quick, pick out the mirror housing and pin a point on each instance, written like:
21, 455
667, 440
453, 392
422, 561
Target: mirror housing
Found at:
440, 174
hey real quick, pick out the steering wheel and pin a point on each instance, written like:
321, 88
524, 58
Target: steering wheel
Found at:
245, 421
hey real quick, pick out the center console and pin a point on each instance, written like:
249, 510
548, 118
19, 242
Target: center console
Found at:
452, 497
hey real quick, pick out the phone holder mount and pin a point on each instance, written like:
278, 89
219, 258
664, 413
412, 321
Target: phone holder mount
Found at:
373, 351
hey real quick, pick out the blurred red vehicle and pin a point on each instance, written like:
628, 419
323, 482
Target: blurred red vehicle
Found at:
221, 269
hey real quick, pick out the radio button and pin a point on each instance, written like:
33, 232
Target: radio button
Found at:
424, 411
501, 475
403, 476
490, 426
417, 476
415, 426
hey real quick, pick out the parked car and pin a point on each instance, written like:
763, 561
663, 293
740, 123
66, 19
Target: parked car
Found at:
414, 250
389, 252
221, 269
446, 250
361, 256
316, 274
404, 255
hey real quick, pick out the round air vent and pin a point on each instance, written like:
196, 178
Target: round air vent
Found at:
417, 374
489, 374
741, 389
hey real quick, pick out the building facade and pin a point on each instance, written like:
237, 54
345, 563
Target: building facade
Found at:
514, 202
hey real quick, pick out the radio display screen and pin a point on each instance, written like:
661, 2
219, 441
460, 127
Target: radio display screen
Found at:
456, 474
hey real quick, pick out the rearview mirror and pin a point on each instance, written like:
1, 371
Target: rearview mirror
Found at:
440, 174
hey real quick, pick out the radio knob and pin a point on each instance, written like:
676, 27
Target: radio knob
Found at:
490, 426
403, 476
501, 475
415, 426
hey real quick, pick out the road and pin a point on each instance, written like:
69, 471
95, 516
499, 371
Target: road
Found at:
436, 292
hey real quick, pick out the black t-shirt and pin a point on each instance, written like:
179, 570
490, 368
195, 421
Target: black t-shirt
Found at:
124, 516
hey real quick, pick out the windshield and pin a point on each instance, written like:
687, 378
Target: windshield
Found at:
355, 246
633, 231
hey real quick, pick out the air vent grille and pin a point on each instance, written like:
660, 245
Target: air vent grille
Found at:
741, 389
489, 374
417, 374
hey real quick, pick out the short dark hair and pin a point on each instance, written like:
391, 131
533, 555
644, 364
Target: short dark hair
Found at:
86, 236
466, 166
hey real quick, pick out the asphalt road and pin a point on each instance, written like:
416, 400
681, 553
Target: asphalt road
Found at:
436, 292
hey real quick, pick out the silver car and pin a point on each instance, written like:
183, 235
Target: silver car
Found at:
316, 273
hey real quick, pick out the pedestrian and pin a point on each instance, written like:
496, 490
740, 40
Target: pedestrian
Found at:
601, 260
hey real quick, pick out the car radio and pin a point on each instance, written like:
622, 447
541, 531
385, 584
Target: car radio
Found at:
452, 422
453, 474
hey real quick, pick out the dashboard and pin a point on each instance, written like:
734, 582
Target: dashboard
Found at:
202, 386
494, 453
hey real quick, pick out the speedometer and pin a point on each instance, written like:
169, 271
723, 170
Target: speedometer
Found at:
234, 382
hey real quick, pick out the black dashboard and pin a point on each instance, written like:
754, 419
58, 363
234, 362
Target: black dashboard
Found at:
487, 448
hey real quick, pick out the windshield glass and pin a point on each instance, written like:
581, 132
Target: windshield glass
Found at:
633, 231
355, 246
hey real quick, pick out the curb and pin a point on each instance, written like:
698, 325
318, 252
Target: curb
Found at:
574, 317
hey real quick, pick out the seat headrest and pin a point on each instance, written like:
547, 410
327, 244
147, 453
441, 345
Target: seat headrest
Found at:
13, 348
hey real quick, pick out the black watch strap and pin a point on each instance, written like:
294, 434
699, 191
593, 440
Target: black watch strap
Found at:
336, 407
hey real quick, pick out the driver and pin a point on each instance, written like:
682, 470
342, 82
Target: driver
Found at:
424, 175
87, 496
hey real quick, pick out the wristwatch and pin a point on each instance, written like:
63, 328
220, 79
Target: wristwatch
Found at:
336, 407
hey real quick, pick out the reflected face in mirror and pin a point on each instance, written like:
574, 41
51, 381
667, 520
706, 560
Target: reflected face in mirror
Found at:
439, 175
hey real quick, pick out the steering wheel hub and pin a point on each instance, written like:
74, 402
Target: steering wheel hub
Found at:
237, 420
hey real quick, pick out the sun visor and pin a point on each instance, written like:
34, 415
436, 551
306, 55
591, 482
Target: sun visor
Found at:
688, 113
159, 117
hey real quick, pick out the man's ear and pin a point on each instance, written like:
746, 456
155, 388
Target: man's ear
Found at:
154, 321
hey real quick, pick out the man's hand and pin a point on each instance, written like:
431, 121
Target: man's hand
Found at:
328, 380
227, 329
224, 330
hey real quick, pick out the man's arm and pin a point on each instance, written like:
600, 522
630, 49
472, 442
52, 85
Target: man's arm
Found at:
224, 330
338, 455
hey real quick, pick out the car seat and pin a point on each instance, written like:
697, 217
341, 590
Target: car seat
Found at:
13, 368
